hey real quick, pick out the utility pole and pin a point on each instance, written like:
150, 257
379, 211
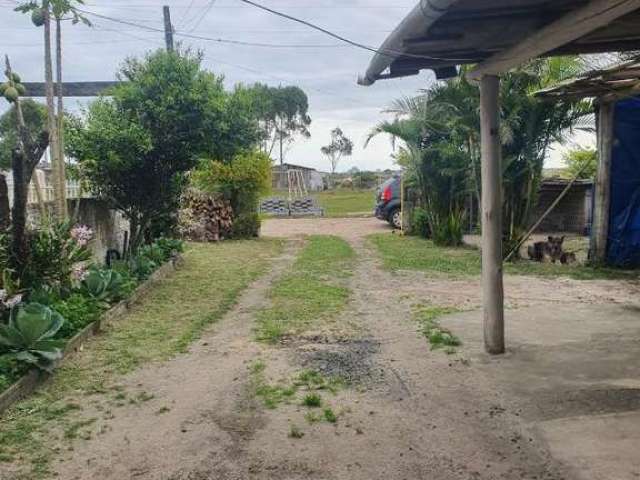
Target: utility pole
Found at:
168, 28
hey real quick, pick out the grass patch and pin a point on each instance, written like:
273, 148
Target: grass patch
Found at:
438, 337
342, 203
414, 253
169, 318
329, 415
312, 292
312, 400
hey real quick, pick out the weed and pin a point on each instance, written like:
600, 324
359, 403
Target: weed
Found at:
329, 415
312, 417
145, 396
312, 400
72, 430
272, 396
163, 410
295, 432
438, 336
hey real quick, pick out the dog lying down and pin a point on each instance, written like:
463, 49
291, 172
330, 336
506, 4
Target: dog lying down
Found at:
551, 251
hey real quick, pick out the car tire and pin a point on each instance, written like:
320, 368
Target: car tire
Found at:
395, 218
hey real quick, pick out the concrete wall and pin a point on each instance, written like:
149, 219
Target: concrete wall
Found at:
109, 226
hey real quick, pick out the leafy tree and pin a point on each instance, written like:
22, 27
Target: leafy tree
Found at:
340, 146
582, 163
283, 115
35, 119
136, 146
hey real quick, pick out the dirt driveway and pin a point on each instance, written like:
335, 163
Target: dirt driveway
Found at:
348, 228
408, 413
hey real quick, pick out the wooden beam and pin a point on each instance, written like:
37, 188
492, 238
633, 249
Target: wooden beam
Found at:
492, 288
568, 28
602, 203
71, 89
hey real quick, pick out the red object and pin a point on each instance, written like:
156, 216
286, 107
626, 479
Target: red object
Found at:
386, 194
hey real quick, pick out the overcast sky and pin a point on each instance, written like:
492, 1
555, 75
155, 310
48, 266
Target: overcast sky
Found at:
325, 69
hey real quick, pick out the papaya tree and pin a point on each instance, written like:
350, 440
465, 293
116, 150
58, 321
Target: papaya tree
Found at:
26, 152
42, 12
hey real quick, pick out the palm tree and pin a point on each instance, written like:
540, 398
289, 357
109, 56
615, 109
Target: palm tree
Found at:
440, 129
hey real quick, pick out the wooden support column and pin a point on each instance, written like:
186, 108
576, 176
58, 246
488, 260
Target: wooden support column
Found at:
602, 201
492, 289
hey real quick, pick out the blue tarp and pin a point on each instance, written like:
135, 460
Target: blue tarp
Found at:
624, 225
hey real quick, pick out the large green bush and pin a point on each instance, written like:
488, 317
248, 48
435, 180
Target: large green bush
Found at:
242, 181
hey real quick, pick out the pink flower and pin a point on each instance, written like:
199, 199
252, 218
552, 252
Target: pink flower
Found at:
82, 235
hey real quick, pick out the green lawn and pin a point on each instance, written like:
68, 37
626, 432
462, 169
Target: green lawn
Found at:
340, 203
172, 315
311, 292
414, 253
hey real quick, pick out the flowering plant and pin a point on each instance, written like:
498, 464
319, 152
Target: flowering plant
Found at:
82, 235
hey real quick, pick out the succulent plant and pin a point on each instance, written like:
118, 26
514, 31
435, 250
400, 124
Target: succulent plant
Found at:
103, 285
29, 335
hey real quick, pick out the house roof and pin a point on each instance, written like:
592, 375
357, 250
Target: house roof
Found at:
291, 166
441, 34
611, 83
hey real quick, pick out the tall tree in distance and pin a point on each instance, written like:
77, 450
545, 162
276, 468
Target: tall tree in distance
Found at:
340, 146
283, 113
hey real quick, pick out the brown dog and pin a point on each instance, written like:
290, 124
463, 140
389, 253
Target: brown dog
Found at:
549, 251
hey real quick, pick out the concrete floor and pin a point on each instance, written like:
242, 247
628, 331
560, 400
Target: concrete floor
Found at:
573, 374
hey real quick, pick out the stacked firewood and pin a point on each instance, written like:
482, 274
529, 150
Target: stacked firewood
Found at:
204, 217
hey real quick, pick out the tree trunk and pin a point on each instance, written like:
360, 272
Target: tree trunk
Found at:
20, 249
62, 194
51, 113
5, 212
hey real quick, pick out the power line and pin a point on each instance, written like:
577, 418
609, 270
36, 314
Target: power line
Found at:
209, 39
202, 17
386, 52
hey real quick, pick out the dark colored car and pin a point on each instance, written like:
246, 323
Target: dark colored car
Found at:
388, 204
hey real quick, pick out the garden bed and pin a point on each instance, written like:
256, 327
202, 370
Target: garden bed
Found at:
35, 378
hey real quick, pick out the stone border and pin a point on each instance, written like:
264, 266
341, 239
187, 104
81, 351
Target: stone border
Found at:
30, 382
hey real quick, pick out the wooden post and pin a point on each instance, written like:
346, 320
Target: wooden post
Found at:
602, 203
168, 28
492, 288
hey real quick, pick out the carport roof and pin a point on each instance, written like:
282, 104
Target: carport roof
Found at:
441, 34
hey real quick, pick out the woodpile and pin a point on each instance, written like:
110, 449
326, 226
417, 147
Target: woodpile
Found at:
204, 217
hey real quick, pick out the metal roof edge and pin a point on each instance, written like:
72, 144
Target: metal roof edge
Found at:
423, 15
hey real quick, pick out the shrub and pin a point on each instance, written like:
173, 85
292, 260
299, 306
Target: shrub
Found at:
420, 223
246, 225
78, 311
53, 253
447, 231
